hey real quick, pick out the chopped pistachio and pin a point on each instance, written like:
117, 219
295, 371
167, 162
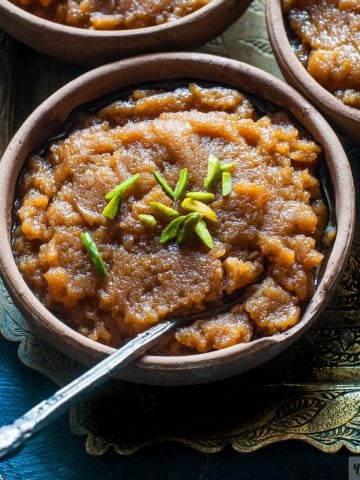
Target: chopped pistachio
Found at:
228, 167
163, 211
147, 220
203, 233
122, 187
226, 184
112, 208
187, 226
213, 171
205, 197
94, 253
164, 185
171, 230
196, 206
182, 184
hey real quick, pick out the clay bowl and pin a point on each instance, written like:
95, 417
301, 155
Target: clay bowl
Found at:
346, 118
48, 118
91, 47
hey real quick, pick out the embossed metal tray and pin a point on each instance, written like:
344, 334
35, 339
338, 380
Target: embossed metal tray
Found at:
311, 392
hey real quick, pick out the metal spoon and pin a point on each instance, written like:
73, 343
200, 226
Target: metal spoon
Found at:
16, 434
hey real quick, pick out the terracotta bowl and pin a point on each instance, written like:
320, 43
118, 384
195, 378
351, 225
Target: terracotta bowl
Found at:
94, 47
48, 118
346, 118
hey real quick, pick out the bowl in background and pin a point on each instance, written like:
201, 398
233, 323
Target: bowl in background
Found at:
48, 119
346, 118
95, 47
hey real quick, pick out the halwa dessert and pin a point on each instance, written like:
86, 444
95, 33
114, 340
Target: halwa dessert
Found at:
111, 14
327, 42
172, 203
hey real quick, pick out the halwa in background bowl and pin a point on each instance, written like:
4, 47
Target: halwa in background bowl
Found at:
95, 47
49, 118
346, 118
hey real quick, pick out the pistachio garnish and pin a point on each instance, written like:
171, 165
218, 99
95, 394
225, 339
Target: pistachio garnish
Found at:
205, 197
122, 187
164, 185
196, 206
171, 230
187, 226
226, 184
182, 184
180, 226
163, 211
213, 171
94, 253
228, 167
112, 208
203, 233
147, 220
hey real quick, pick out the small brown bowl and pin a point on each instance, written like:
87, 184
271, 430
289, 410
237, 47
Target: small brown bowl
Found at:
48, 119
346, 118
94, 47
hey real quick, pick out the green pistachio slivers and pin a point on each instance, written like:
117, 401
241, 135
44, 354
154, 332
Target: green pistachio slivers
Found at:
163, 211
213, 171
164, 185
228, 167
200, 207
147, 220
171, 230
203, 233
205, 197
226, 184
112, 208
94, 253
187, 226
182, 184
122, 187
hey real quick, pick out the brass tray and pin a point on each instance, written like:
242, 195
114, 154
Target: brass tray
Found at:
311, 392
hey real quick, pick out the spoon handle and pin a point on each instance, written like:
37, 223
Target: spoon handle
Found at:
15, 435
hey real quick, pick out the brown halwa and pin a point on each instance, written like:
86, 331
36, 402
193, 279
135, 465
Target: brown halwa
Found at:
264, 237
327, 34
111, 14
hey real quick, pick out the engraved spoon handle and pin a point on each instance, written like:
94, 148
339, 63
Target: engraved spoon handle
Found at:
15, 435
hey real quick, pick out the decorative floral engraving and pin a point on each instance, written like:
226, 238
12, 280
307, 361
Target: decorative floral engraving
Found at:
326, 419
347, 298
336, 347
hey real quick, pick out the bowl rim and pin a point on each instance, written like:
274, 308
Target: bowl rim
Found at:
345, 203
55, 27
288, 61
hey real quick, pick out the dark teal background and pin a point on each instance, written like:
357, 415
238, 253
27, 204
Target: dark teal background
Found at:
58, 454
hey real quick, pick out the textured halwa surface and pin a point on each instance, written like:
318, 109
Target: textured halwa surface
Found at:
327, 36
264, 237
111, 14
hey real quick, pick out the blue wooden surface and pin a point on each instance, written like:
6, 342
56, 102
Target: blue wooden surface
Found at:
58, 454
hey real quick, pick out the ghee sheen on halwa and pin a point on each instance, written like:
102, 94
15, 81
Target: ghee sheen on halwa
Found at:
327, 41
264, 237
111, 14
